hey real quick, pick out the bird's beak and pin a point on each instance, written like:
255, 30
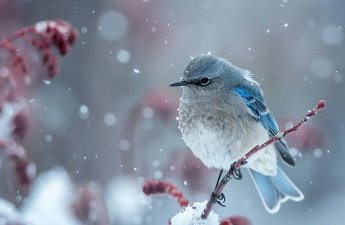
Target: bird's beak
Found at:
178, 83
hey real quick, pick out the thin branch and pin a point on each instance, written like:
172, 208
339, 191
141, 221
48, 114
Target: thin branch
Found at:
219, 189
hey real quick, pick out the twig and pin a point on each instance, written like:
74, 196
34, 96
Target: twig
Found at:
159, 187
219, 189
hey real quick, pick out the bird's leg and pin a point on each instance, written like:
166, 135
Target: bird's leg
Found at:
219, 176
219, 199
236, 173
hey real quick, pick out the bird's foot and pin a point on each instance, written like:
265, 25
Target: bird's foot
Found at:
236, 173
219, 199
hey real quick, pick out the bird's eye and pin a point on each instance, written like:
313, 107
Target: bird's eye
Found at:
205, 81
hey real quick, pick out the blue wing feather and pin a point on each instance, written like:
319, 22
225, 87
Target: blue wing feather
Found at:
253, 98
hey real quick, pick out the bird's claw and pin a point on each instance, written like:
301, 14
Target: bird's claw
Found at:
236, 173
219, 199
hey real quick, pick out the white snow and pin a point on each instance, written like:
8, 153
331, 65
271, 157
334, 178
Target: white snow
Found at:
8, 213
123, 56
41, 27
113, 25
84, 112
317, 153
110, 119
50, 200
191, 215
125, 201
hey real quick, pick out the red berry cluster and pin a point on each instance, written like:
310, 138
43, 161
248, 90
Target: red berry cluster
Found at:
160, 187
43, 36
56, 33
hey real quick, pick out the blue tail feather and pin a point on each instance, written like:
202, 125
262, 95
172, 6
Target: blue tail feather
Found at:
275, 190
285, 186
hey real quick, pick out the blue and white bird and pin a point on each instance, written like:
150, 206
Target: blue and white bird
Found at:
222, 115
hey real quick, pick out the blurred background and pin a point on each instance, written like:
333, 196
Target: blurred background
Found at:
110, 118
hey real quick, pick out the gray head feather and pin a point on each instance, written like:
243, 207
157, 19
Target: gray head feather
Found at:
222, 74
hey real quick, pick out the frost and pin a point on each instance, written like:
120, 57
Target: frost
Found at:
137, 71
286, 25
191, 215
267, 31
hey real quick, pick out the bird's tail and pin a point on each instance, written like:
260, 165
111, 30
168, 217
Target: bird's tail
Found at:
275, 190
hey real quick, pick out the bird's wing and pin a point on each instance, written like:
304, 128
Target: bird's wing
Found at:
252, 96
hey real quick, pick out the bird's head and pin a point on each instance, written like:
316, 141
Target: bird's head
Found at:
206, 76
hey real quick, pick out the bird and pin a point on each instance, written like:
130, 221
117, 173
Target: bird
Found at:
222, 115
